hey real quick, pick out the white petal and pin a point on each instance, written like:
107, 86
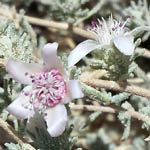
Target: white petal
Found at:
74, 90
82, 50
67, 98
138, 30
56, 119
17, 108
50, 58
125, 44
18, 69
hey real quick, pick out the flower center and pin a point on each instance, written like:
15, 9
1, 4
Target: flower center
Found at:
49, 88
106, 31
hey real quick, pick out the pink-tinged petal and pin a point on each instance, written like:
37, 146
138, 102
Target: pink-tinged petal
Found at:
73, 90
67, 98
50, 58
139, 30
125, 44
81, 51
56, 119
20, 70
17, 107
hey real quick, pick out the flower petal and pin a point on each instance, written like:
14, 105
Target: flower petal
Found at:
50, 58
125, 44
82, 50
73, 90
17, 107
56, 119
138, 30
17, 70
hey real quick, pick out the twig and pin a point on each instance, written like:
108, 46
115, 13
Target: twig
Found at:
112, 85
132, 113
12, 133
92, 108
60, 26
3, 62
51, 24
98, 74
146, 53
46, 23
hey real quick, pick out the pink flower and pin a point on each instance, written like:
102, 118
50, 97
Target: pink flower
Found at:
47, 92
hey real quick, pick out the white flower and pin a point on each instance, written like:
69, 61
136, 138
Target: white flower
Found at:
47, 90
111, 32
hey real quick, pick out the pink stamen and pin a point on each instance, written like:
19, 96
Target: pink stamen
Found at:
122, 15
128, 16
26, 73
26, 93
121, 24
50, 88
93, 23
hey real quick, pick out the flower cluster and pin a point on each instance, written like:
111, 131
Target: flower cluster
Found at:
48, 89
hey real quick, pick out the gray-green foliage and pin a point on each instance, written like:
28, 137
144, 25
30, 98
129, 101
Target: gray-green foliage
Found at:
101, 96
139, 12
100, 141
118, 98
45, 142
142, 104
25, 3
66, 10
12, 146
16, 42
118, 65
146, 111
90, 119
140, 144
125, 119
95, 94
